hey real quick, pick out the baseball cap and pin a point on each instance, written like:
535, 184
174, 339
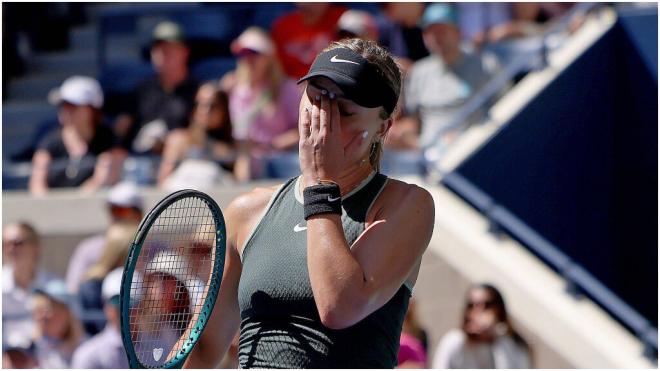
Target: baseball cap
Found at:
438, 13
359, 80
56, 290
78, 90
168, 31
358, 23
125, 194
171, 263
112, 286
253, 39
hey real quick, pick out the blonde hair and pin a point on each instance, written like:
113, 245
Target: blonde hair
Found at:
274, 70
118, 240
75, 332
381, 59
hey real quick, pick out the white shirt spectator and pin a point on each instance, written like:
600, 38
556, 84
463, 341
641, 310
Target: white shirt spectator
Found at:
455, 352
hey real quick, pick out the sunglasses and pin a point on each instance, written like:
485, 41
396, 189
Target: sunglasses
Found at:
246, 52
488, 304
214, 105
18, 242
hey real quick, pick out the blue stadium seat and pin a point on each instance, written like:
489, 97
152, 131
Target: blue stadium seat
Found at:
124, 77
282, 165
218, 26
21, 124
213, 68
265, 16
15, 176
402, 163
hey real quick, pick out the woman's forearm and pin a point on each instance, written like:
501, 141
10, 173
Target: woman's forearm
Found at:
337, 279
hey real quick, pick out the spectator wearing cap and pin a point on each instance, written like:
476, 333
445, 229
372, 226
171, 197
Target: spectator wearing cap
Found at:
163, 102
263, 102
59, 332
124, 205
82, 151
300, 35
439, 85
118, 240
20, 275
357, 23
105, 350
164, 293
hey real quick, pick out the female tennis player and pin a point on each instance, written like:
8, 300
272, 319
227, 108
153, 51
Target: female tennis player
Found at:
319, 270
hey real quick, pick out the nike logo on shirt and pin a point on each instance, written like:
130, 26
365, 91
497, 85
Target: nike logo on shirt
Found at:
299, 228
337, 60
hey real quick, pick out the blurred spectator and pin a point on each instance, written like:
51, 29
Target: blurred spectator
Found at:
18, 355
82, 152
263, 102
486, 339
523, 32
438, 86
477, 20
164, 102
400, 32
303, 33
413, 347
357, 23
208, 137
487, 23
164, 295
59, 332
20, 275
117, 243
105, 350
124, 205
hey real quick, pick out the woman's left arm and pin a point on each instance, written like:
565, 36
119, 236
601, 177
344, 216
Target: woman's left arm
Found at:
351, 282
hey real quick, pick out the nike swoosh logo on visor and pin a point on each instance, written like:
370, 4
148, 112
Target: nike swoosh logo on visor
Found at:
299, 228
334, 59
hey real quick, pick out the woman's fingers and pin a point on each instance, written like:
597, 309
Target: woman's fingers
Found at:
325, 114
334, 127
316, 116
305, 122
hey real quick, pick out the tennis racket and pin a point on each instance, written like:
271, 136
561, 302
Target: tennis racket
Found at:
171, 279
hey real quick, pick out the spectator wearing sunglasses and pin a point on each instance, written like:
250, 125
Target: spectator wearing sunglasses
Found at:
20, 276
486, 339
263, 102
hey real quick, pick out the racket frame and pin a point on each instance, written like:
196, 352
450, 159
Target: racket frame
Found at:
214, 286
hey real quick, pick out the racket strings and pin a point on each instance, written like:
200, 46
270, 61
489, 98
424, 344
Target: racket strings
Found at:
169, 287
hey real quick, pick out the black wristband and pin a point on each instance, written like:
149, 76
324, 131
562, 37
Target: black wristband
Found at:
322, 199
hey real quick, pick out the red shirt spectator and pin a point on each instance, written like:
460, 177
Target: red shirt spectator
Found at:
300, 35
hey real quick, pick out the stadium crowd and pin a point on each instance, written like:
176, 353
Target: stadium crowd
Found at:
223, 132
193, 138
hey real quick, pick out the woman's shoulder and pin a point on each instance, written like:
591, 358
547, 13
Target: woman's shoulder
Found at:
250, 204
398, 191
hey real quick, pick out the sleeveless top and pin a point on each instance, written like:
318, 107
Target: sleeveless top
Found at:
280, 325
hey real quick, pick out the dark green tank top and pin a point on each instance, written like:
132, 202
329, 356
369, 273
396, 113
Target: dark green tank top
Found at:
280, 325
